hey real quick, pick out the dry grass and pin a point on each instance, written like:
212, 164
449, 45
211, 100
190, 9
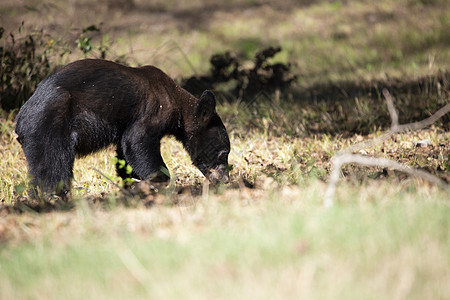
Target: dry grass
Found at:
286, 160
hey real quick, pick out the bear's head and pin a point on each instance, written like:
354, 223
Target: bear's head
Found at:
209, 146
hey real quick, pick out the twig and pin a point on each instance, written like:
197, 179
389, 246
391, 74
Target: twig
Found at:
339, 160
424, 123
395, 127
391, 108
368, 144
345, 156
133, 264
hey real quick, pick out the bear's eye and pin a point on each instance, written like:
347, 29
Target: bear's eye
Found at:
222, 155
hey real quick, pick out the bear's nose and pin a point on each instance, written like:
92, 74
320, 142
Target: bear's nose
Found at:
226, 179
220, 173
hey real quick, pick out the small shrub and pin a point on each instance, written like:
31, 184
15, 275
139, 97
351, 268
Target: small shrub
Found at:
24, 62
26, 59
235, 77
85, 44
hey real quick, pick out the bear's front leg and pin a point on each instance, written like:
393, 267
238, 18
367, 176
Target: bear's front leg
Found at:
142, 152
122, 166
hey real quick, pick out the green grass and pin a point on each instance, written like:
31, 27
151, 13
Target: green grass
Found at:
326, 41
284, 245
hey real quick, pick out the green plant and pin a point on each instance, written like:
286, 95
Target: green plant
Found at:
122, 164
86, 45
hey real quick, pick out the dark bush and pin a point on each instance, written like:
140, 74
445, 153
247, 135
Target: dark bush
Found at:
227, 69
24, 62
26, 59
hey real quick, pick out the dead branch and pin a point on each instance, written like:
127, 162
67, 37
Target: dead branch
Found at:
339, 160
395, 127
391, 108
345, 156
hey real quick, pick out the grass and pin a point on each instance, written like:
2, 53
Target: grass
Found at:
281, 245
367, 41
267, 234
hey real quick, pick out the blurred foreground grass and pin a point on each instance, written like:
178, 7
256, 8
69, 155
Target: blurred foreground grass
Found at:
382, 240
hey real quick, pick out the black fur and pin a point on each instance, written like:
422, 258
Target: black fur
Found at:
90, 104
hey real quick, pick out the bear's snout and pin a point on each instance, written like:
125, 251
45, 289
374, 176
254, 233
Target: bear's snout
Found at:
218, 174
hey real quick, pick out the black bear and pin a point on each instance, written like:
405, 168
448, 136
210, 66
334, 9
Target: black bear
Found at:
90, 104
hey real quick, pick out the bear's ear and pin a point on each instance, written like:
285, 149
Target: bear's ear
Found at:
205, 108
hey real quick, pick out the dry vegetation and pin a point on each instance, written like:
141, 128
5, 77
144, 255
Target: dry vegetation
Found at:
266, 235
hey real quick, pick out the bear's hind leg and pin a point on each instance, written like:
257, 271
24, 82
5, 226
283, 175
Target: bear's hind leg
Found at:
50, 163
